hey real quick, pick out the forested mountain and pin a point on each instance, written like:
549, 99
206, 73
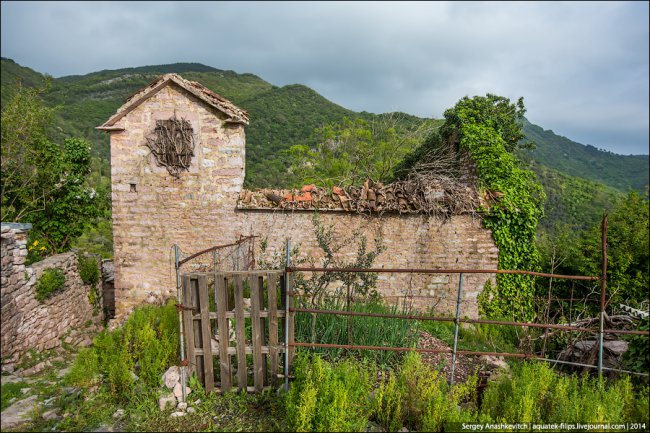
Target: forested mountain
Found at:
578, 178
575, 159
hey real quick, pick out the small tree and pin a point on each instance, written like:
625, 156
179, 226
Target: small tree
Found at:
350, 152
42, 182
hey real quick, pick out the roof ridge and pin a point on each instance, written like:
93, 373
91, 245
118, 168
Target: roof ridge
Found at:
235, 114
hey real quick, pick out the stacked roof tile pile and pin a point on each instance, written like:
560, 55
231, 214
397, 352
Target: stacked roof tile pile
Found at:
400, 197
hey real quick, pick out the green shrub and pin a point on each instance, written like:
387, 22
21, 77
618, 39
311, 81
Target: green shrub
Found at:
88, 270
419, 397
328, 397
536, 393
637, 357
386, 405
137, 353
85, 370
50, 282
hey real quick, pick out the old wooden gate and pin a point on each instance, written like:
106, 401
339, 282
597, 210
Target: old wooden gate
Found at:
234, 325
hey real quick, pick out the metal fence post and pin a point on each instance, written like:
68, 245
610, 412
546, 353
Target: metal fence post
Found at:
287, 288
347, 303
180, 318
603, 285
457, 322
214, 269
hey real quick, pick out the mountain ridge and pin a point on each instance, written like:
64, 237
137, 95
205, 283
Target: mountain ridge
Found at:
283, 116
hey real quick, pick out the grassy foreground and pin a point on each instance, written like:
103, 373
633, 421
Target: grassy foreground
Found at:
115, 386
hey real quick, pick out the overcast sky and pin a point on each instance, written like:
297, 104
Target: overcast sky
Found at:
581, 67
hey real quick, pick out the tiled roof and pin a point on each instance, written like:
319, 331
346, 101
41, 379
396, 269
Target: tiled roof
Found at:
234, 113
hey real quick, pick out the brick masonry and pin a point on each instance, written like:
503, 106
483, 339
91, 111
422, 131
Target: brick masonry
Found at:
199, 210
26, 322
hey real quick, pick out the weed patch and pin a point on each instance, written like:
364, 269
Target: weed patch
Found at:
49, 283
536, 393
9, 391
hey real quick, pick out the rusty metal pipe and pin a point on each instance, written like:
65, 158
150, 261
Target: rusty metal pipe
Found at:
218, 247
456, 326
451, 319
356, 313
442, 271
461, 352
603, 286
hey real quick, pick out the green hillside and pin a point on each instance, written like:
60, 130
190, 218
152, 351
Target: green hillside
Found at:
585, 161
280, 118
575, 202
284, 116
13, 74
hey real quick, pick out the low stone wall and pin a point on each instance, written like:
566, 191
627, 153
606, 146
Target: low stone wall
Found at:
26, 322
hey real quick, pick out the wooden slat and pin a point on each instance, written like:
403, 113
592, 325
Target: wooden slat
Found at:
230, 274
258, 372
247, 314
292, 350
248, 350
271, 284
188, 327
222, 323
196, 327
260, 281
240, 333
206, 333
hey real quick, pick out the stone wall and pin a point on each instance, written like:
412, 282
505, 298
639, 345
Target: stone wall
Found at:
152, 211
26, 322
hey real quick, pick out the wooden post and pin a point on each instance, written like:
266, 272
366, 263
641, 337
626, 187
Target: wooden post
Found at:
206, 333
271, 284
258, 370
224, 337
188, 325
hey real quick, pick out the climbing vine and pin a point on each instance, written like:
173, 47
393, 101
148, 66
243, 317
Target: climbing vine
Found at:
488, 128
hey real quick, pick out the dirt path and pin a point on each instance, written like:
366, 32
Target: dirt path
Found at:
466, 365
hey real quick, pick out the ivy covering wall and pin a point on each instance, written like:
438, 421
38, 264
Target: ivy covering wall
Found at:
488, 129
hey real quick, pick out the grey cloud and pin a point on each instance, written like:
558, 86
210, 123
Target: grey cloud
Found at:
581, 67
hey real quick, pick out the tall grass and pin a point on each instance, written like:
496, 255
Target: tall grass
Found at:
364, 331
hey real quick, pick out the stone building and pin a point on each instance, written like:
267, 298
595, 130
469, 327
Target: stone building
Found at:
198, 206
